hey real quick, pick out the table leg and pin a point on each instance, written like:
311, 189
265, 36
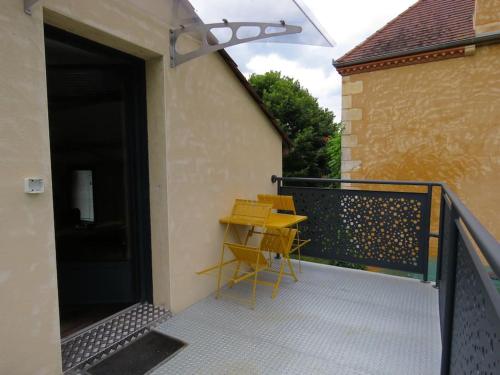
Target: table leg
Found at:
254, 288
235, 274
286, 256
249, 234
298, 250
278, 282
292, 271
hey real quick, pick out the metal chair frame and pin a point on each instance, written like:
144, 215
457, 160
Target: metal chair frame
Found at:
286, 203
253, 214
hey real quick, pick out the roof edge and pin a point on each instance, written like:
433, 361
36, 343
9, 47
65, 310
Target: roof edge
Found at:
234, 68
378, 31
489, 38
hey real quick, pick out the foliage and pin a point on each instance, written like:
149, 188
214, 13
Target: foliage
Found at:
313, 130
333, 150
307, 124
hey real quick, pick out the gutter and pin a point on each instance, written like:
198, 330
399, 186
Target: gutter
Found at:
482, 39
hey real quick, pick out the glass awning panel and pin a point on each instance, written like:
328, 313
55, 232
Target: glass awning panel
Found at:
292, 12
219, 24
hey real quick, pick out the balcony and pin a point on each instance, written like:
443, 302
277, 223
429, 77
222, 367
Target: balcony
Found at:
345, 321
332, 321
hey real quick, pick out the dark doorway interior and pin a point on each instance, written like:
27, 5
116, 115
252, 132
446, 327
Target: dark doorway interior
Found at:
98, 139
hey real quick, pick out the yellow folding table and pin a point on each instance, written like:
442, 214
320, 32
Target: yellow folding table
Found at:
277, 236
275, 224
274, 221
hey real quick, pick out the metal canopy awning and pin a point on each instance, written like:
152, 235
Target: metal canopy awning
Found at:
217, 24
293, 12
223, 23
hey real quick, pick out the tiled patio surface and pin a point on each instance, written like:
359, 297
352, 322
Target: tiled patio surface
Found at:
332, 321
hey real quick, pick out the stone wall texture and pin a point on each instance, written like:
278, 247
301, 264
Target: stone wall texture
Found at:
487, 16
437, 121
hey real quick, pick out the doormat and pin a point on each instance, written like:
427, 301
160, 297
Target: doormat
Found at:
89, 346
138, 358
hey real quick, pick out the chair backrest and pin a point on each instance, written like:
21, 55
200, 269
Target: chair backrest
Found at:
278, 240
279, 202
251, 212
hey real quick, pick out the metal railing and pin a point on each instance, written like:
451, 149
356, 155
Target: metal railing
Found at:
469, 303
388, 229
391, 229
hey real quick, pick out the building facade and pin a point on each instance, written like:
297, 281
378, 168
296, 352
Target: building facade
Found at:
421, 101
198, 130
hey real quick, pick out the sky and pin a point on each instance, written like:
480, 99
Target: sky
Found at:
347, 22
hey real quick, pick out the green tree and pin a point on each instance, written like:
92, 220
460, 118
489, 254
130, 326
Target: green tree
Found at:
313, 130
308, 125
334, 149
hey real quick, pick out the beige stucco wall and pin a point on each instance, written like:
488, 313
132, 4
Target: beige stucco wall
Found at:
29, 329
208, 144
227, 151
437, 121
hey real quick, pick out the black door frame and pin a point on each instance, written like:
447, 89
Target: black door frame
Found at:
138, 163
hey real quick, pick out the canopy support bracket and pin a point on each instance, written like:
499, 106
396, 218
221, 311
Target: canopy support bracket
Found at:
28, 5
210, 44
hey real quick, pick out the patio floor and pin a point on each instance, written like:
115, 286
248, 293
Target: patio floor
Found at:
333, 321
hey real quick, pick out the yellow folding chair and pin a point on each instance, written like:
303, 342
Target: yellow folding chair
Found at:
286, 203
253, 214
280, 241
279, 202
250, 259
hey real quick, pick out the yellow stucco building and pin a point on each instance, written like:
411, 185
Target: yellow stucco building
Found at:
421, 101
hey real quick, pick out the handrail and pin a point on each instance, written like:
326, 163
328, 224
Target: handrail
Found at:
419, 264
457, 227
275, 178
488, 245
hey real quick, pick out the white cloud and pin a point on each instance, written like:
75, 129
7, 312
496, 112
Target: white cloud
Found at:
348, 22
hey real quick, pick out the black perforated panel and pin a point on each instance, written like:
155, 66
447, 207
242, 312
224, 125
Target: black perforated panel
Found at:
385, 229
476, 323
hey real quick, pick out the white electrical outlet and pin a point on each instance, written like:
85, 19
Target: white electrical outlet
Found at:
34, 185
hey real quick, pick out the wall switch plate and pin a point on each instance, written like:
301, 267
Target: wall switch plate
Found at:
34, 185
